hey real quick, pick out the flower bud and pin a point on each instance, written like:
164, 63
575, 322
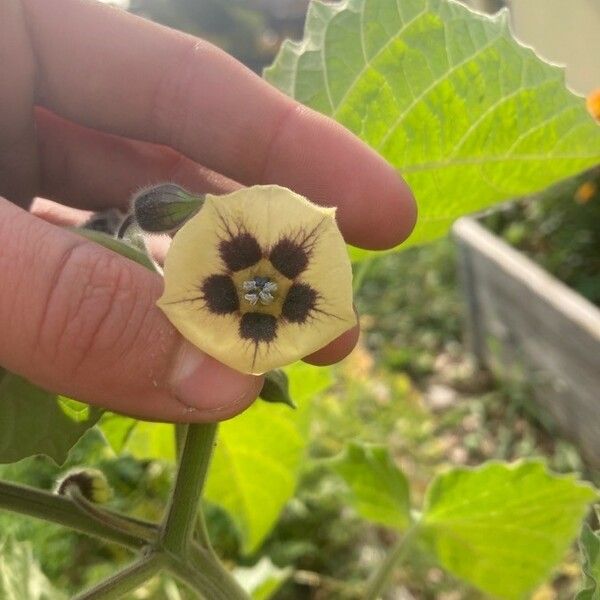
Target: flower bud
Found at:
165, 207
91, 483
276, 388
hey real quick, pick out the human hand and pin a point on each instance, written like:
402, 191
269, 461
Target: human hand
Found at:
94, 103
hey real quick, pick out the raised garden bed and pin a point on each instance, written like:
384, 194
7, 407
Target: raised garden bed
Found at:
521, 317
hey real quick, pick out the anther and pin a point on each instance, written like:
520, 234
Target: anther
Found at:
260, 289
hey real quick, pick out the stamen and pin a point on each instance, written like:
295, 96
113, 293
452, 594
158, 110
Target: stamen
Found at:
259, 289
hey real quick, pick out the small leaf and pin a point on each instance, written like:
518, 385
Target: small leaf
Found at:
503, 527
465, 113
589, 544
276, 388
262, 580
259, 455
116, 430
380, 491
20, 575
34, 421
117, 246
75, 410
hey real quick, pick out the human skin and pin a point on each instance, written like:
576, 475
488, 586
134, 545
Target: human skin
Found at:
94, 103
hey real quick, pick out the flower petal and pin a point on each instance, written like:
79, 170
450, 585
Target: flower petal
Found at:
309, 252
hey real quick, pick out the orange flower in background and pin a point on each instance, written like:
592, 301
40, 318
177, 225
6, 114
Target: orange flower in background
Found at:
593, 104
585, 192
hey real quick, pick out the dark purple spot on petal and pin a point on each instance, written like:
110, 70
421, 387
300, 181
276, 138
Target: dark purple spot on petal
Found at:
289, 258
301, 299
258, 327
240, 252
220, 294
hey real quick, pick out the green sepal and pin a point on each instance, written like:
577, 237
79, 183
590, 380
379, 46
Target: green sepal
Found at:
276, 389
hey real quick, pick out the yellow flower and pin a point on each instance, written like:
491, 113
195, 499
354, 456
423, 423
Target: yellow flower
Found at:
259, 278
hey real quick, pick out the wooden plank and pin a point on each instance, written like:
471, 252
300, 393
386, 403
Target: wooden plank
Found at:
521, 316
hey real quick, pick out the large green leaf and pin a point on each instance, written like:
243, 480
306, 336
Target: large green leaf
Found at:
379, 489
20, 575
34, 421
589, 543
469, 116
502, 528
259, 455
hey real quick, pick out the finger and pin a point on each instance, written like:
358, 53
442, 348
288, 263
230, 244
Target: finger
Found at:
81, 320
57, 214
138, 79
336, 350
75, 161
18, 172
65, 216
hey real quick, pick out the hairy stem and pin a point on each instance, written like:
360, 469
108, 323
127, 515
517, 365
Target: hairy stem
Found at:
206, 576
178, 526
107, 518
382, 576
127, 580
51, 507
205, 561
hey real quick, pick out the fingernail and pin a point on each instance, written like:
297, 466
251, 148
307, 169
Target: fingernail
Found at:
204, 384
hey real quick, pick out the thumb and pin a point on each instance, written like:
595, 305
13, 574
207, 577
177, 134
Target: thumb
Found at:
81, 321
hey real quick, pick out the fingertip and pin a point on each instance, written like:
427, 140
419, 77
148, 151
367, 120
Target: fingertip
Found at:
336, 350
208, 389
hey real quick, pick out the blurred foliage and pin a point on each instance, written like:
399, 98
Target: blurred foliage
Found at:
560, 230
250, 30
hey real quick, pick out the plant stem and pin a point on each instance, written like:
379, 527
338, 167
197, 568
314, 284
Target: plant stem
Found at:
107, 518
178, 526
127, 580
382, 576
207, 577
204, 560
51, 507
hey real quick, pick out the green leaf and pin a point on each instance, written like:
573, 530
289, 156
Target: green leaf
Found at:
262, 580
20, 575
468, 115
276, 388
589, 544
259, 455
380, 491
142, 439
503, 527
116, 430
151, 441
34, 421
117, 246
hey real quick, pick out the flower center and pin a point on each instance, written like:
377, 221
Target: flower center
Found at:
259, 289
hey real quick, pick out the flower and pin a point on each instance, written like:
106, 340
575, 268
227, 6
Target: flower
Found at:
593, 104
259, 278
